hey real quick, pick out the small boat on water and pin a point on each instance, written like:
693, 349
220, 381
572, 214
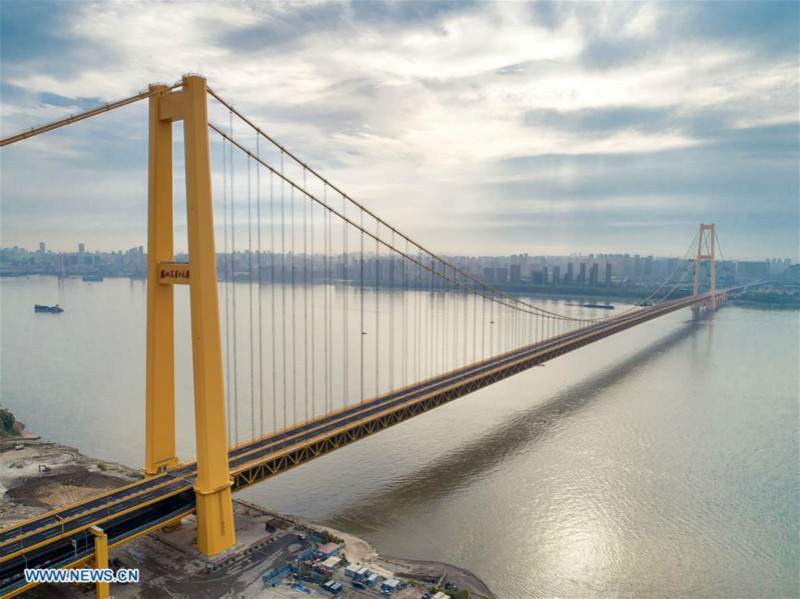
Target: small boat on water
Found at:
602, 306
93, 278
51, 309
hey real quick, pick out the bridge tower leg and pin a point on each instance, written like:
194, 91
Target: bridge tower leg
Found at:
102, 588
160, 377
712, 234
215, 530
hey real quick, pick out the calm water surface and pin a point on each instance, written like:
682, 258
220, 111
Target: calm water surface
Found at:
661, 462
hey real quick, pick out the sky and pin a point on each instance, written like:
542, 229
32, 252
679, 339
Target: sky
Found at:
475, 128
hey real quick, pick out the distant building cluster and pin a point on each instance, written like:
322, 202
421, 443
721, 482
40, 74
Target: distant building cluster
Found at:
608, 270
18, 261
513, 272
519, 271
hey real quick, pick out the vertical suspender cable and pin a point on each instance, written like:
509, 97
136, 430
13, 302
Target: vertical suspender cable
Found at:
465, 297
306, 328
294, 311
326, 266
329, 365
313, 284
492, 351
283, 295
474, 327
483, 330
377, 307
346, 311
405, 319
260, 320
235, 381
430, 353
443, 318
272, 298
391, 287
421, 311
250, 290
227, 286
361, 299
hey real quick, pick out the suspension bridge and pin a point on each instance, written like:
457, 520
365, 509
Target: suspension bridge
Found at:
318, 324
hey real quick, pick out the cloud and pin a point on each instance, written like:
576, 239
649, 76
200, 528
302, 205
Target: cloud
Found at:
438, 112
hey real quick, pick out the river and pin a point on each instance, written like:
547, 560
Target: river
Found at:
660, 462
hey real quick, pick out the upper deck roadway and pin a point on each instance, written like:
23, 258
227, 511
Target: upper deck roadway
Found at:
61, 538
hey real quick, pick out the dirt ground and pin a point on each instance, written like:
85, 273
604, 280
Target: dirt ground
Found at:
37, 476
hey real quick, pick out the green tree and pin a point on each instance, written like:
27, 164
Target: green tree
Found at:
7, 420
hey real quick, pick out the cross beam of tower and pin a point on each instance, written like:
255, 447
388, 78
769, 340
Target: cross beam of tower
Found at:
215, 530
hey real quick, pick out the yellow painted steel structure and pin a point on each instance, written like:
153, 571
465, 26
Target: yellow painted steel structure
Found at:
102, 590
160, 368
707, 235
215, 529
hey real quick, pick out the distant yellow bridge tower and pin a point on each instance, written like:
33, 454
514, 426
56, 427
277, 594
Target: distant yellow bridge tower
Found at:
215, 529
706, 238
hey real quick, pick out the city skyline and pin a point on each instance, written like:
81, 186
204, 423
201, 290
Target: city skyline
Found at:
81, 247
583, 270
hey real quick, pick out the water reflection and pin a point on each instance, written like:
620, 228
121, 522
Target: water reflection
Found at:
632, 467
512, 436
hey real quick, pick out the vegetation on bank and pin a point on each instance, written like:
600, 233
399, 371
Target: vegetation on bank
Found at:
455, 594
776, 300
327, 537
631, 293
9, 427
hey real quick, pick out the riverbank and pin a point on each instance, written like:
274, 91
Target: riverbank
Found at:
769, 301
37, 476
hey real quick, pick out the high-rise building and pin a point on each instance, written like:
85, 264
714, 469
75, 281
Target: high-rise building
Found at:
516, 273
582, 275
41, 247
608, 274
568, 276
556, 275
81, 248
752, 270
593, 275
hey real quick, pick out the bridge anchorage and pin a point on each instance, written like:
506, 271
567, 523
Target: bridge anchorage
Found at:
387, 331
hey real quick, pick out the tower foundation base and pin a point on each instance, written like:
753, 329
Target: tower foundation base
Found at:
215, 529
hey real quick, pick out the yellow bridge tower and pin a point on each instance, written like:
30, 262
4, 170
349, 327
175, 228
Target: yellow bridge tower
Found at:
215, 530
707, 239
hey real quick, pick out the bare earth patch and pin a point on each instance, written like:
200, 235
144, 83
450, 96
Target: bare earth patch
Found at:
70, 484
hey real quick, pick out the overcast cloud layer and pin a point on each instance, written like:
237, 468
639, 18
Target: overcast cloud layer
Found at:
476, 128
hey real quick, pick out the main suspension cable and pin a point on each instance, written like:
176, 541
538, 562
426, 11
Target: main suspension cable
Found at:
74, 118
284, 150
523, 306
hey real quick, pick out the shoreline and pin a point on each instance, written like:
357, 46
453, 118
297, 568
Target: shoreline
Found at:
38, 475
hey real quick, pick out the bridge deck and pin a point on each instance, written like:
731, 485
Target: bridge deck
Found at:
61, 538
